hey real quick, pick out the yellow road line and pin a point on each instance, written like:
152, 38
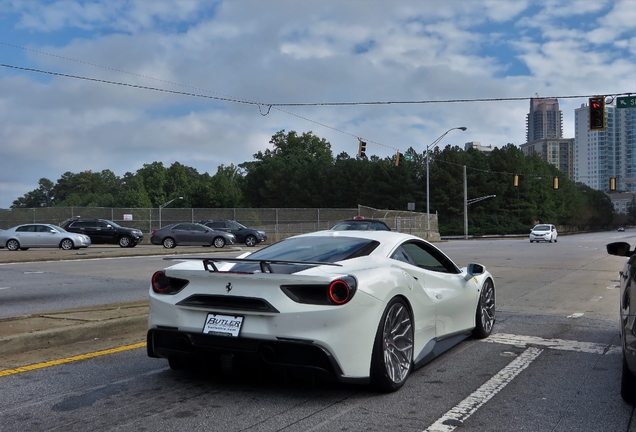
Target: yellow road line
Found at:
36, 366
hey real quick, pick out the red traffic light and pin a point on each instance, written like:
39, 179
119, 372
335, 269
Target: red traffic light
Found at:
596, 109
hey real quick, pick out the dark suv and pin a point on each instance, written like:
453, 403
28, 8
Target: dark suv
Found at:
243, 234
103, 231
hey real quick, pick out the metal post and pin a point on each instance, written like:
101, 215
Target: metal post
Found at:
465, 205
428, 215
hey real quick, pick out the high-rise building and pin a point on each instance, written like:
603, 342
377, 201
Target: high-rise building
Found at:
558, 152
596, 153
544, 134
544, 121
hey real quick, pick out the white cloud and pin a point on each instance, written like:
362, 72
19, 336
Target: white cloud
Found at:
287, 51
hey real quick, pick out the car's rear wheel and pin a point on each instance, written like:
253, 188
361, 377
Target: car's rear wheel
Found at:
628, 384
250, 241
219, 242
66, 244
485, 315
124, 241
392, 357
169, 243
13, 245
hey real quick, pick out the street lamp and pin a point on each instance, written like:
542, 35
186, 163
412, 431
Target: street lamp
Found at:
163, 205
433, 144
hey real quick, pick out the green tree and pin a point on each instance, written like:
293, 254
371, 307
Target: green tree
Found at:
43, 196
294, 173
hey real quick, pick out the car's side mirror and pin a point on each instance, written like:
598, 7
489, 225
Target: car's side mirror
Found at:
619, 249
473, 270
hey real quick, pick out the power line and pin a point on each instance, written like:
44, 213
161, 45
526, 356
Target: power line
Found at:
315, 104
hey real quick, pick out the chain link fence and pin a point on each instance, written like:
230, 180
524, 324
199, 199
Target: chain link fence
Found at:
278, 223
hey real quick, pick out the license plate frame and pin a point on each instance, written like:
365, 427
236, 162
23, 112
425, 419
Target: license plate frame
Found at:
223, 325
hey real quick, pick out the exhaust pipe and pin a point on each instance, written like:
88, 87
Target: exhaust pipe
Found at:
267, 353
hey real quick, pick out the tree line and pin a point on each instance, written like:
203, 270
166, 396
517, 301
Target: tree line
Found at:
301, 171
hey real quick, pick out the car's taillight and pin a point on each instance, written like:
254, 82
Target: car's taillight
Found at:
336, 293
153, 232
339, 292
162, 284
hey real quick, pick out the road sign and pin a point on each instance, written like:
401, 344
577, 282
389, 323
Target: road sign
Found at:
626, 102
408, 156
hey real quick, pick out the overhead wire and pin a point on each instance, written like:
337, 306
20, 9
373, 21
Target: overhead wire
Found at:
268, 105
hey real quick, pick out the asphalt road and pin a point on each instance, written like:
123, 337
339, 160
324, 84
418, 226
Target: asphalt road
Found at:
553, 364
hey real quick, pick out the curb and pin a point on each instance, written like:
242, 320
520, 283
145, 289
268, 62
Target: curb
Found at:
38, 340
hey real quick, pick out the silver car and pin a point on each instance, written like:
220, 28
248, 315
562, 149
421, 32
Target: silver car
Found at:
37, 235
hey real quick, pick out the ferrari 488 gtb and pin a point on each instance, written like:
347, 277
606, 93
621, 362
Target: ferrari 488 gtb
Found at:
360, 306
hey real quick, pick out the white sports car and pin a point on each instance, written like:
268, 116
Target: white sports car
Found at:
361, 306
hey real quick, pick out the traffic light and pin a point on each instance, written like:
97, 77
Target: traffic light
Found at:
515, 180
555, 183
612, 185
362, 148
597, 113
397, 158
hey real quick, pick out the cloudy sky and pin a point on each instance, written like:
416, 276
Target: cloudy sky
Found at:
116, 84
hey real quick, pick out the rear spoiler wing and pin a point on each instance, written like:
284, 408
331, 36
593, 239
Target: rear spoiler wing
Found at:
265, 265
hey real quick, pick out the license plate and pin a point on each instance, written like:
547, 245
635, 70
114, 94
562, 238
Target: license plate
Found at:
223, 325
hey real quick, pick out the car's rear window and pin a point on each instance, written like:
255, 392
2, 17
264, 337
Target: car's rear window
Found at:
314, 249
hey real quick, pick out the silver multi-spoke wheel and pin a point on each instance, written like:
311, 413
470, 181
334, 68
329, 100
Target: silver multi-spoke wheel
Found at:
169, 243
393, 350
485, 317
66, 244
398, 342
13, 245
219, 242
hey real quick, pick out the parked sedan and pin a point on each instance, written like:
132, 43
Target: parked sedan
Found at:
543, 232
360, 306
627, 320
251, 237
190, 234
28, 236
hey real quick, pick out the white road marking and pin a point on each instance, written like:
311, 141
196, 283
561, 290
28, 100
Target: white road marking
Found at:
457, 415
556, 344
1, 288
576, 315
33, 272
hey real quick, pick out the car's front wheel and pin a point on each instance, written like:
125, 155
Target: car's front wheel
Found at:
219, 242
250, 241
13, 245
628, 384
169, 243
485, 315
392, 357
124, 241
66, 244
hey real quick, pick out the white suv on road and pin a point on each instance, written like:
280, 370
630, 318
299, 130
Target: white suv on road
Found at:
543, 232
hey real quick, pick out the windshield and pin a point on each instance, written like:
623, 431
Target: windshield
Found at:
112, 223
542, 228
345, 226
315, 249
56, 228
